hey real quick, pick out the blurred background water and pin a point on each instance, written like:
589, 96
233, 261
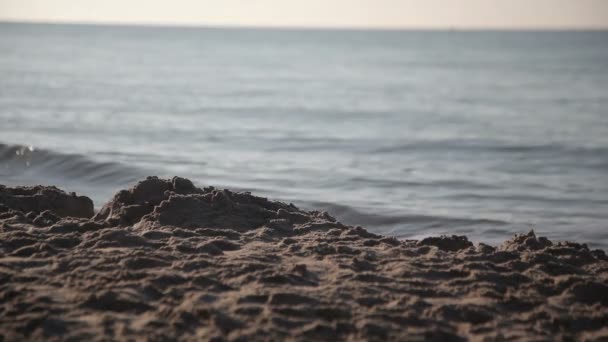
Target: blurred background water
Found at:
409, 133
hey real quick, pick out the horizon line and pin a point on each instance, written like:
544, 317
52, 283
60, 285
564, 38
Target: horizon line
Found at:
302, 27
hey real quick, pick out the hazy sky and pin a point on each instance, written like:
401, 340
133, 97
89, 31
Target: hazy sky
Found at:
320, 13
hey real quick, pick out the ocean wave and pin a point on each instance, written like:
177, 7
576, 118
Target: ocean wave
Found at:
392, 183
492, 146
520, 198
20, 162
350, 215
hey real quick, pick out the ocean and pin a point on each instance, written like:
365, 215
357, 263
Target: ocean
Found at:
407, 133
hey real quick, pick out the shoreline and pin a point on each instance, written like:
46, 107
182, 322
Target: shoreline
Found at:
166, 260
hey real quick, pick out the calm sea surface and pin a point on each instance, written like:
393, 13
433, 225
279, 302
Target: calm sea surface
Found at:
407, 133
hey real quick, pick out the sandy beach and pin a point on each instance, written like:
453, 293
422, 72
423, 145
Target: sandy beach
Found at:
165, 260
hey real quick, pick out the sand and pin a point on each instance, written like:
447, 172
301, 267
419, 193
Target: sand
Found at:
165, 260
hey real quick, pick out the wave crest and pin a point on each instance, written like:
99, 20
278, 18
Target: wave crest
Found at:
23, 163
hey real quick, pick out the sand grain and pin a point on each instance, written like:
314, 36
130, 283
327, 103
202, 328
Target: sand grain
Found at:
166, 260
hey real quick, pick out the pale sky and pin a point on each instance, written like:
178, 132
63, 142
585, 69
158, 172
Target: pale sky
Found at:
319, 13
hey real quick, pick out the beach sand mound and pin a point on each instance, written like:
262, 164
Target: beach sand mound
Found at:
39, 199
165, 260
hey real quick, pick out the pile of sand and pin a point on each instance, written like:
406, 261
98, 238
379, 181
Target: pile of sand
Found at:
166, 260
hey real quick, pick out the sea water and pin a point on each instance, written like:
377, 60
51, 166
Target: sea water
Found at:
408, 133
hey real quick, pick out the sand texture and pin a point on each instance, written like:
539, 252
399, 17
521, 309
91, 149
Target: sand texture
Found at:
165, 260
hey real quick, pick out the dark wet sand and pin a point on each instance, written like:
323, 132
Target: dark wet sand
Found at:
168, 261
